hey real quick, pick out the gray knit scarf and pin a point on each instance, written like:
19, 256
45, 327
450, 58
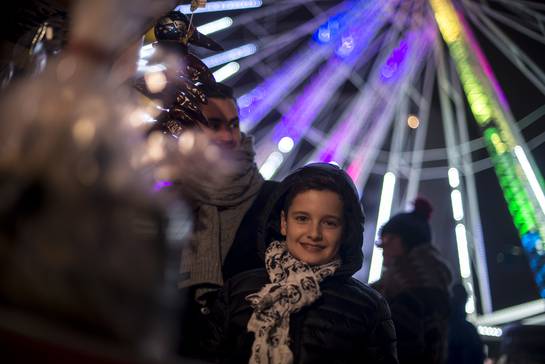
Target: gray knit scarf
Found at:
294, 284
220, 210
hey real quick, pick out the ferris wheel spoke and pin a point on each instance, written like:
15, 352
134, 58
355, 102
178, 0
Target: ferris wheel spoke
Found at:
532, 4
525, 65
274, 43
540, 37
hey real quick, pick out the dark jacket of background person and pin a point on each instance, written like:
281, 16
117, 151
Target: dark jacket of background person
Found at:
464, 343
242, 256
349, 323
522, 344
416, 288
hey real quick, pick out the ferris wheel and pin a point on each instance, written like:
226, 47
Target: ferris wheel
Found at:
356, 83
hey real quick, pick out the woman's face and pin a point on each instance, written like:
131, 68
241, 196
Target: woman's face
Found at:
313, 226
392, 248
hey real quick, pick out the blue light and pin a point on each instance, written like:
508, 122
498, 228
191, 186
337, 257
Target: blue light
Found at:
530, 242
329, 30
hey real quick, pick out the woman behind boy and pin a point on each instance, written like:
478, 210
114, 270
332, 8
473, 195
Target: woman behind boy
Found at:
305, 307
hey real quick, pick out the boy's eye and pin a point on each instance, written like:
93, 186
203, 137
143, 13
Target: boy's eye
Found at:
301, 218
331, 223
233, 125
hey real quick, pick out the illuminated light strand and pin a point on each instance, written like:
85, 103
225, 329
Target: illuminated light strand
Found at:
356, 168
230, 55
384, 212
453, 177
518, 180
226, 71
215, 26
513, 313
307, 106
457, 206
360, 112
382, 87
531, 176
222, 6
490, 331
515, 195
369, 145
463, 252
258, 103
271, 164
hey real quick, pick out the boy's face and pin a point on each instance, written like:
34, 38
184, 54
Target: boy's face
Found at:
313, 226
392, 248
224, 129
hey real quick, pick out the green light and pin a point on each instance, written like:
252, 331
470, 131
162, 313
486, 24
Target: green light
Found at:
518, 203
499, 137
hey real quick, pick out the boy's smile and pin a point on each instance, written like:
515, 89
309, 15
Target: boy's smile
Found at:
313, 226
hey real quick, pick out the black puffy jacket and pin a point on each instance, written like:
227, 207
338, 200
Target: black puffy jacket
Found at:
349, 323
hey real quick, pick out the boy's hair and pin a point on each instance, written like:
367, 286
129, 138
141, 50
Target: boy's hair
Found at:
320, 183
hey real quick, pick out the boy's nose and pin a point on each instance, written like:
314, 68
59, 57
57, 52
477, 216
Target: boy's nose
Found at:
315, 232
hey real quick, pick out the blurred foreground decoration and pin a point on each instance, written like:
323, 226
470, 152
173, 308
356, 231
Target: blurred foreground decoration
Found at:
178, 80
86, 245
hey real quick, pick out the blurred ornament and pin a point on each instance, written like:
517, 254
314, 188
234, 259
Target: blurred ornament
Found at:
187, 77
197, 4
176, 27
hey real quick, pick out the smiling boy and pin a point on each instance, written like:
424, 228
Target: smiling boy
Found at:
304, 306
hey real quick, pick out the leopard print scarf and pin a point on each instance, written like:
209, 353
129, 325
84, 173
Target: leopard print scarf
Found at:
294, 284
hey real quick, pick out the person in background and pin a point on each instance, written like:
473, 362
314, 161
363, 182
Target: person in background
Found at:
415, 283
304, 306
464, 343
522, 344
226, 217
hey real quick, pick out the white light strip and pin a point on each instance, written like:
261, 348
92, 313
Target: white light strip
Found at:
470, 304
226, 71
536, 320
144, 67
230, 55
270, 166
222, 6
513, 313
489, 331
457, 206
453, 177
463, 254
384, 211
147, 51
215, 26
530, 175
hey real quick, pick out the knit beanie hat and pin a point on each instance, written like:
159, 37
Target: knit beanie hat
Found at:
413, 227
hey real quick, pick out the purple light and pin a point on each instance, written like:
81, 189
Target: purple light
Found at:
159, 185
381, 115
254, 106
314, 97
393, 63
330, 151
